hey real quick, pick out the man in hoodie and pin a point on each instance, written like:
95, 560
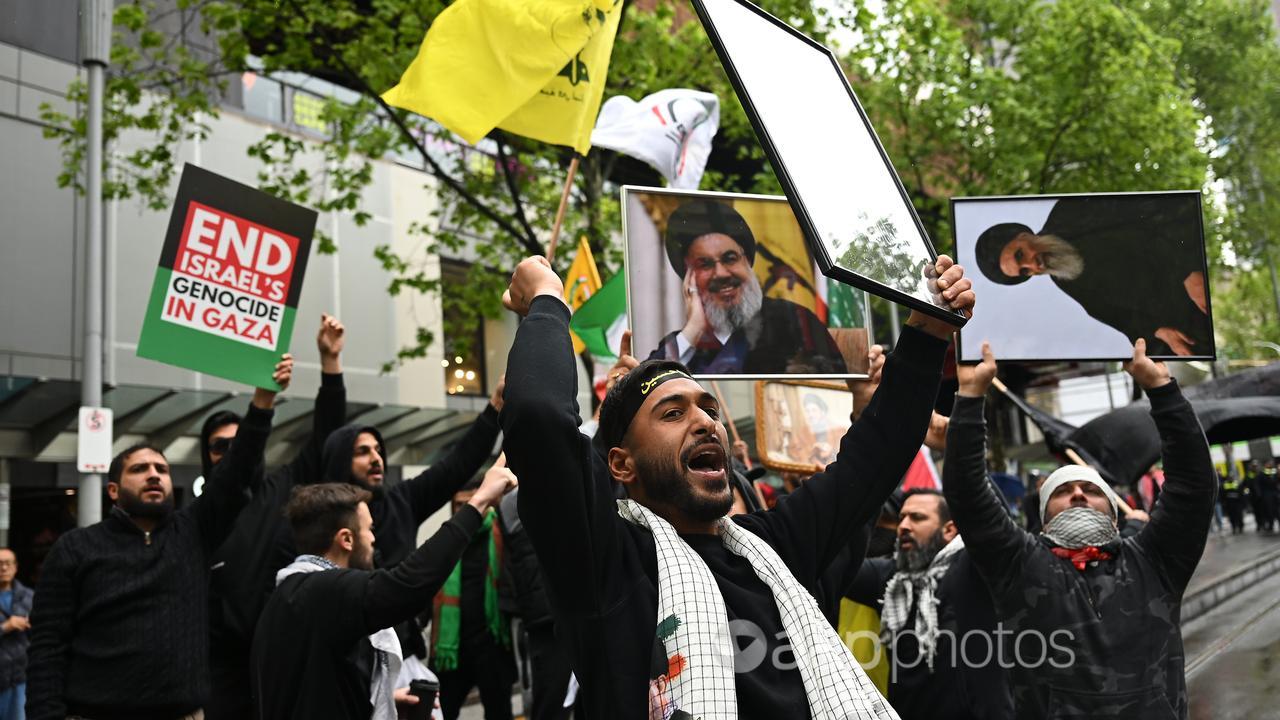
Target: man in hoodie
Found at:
1105, 608
120, 623
324, 648
242, 570
355, 454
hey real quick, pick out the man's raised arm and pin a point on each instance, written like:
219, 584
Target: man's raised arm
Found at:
993, 540
1180, 522
820, 517
215, 511
330, 405
571, 517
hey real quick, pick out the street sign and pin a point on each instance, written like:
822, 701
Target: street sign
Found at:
93, 440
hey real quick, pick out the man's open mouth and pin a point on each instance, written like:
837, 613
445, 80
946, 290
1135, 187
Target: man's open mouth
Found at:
708, 462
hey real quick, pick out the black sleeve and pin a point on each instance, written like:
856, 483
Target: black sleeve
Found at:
869, 584
1180, 522
397, 594
52, 618
435, 486
569, 513
811, 525
996, 544
329, 415
242, 469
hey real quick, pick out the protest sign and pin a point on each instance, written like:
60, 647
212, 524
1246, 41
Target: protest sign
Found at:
226, 291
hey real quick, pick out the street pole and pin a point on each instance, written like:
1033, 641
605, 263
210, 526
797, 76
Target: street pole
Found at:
95, 52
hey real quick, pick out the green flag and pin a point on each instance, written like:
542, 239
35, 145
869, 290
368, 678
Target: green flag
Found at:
601, 319
844, 305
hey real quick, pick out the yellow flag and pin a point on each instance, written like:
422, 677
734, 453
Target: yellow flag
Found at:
533, 67
580, 283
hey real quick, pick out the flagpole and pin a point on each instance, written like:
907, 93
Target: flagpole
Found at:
733, 427
1071, 454
564, 205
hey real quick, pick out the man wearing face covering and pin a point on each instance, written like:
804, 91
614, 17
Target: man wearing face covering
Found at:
1106, 608
649, 592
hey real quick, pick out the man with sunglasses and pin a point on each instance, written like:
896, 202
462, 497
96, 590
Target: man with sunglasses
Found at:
730, 327
243, 569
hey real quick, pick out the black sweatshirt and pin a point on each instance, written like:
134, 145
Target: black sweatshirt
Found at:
398, 511
311, 653
601, 571
243, 569
1112, 630
120, 624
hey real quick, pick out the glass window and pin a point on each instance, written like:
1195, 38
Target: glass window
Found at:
463, 362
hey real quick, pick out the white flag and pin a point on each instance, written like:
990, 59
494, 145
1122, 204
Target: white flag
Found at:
670, 130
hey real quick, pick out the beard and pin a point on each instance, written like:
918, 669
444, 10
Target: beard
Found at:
724, 320
914, 558
361, 556
665, 482
134, 506
1061, 259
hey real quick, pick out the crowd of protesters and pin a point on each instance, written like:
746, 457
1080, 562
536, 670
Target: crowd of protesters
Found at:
635, 572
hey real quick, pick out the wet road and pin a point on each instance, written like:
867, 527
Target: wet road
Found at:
1233, 656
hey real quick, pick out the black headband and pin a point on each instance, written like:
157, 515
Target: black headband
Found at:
632, 391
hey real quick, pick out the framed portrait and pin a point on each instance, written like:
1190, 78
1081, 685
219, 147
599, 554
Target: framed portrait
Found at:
1082, 277
847, 198
726, 284
799, 424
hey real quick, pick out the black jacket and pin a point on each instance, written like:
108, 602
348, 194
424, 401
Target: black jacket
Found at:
520, 566
601, 571
1112, 630
120, 624
311, 654
967, 680
782, 337
243, 569
398, 510
13, 645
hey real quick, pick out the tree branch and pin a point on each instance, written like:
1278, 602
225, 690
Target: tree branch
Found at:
511, 185
529, 243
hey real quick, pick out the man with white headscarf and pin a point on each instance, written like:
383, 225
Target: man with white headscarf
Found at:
1093, 618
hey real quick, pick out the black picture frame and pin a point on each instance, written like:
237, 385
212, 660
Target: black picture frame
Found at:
963, 259
825, 262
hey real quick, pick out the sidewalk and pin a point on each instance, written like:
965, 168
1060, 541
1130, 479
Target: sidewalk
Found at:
1230, 564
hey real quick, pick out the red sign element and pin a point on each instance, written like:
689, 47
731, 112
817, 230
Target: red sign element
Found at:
223, 249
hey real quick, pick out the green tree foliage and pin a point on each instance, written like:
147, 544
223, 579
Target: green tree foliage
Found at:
1008, 97
969, 96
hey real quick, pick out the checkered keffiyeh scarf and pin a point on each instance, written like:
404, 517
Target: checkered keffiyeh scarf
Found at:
834, 682
919, 588
1079, 527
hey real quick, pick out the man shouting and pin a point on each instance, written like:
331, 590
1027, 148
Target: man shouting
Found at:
653, 595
